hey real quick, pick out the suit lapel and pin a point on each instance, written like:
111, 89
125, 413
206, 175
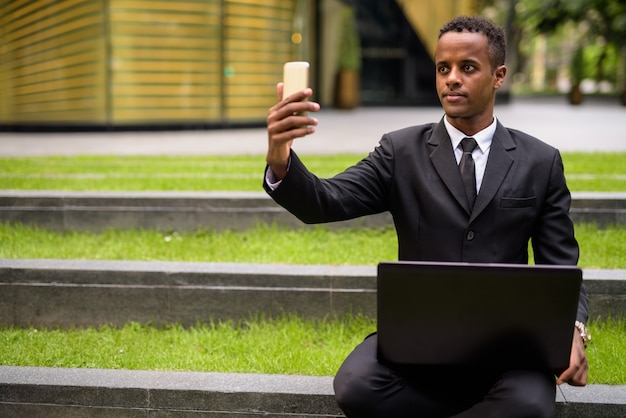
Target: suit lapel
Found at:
498, 166
442, 157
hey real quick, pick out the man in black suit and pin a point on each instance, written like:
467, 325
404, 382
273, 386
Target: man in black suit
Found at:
515, 192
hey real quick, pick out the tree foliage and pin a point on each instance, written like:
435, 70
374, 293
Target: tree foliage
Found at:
605, 18
602, 23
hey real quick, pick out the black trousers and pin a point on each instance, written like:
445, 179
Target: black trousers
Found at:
366, 388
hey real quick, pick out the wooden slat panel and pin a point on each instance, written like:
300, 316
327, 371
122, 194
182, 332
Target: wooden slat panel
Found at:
267, 78
175, 91
168, 54
129, 28
10, 7
165, 61
35, 13
59, 61
171, 6
162, 116
80, 115
254, 23
55, 74
178, 102
58, 85
53, 56
257, 43
158, 19
70, 51
259, 89
180, 67
248, 101
51, 96
89, 33
265, 10
257, 34
258, 56
159, 79
62, 106
212, 41
245, 114
238, 46
82, 23
71, 19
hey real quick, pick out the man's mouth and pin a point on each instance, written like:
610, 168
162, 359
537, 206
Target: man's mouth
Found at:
453, 94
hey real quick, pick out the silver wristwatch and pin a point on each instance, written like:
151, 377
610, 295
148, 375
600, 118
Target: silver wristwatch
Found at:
584, 334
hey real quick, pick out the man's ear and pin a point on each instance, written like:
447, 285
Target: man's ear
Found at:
499, 75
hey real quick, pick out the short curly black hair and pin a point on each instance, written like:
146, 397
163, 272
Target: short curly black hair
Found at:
496, 39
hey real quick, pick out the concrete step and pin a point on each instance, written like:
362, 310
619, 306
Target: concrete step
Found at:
165, 211
55, 392
68, 293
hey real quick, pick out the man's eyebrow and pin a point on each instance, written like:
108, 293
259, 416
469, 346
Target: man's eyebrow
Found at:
463, 61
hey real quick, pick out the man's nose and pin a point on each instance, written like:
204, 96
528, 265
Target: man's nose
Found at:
453, 77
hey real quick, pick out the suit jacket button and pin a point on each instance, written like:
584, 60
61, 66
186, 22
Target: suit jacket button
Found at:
470, 235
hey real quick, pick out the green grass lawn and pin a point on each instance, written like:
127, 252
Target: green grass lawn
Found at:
287, 345
600, 172
600, 248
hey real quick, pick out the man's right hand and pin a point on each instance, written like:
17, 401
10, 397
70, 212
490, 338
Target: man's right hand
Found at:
284, 125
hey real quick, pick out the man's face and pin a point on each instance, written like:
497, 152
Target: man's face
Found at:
466, 83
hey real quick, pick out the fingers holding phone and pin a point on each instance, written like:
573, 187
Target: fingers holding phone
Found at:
295, 80
289, 118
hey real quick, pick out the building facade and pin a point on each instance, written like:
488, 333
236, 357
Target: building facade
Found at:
109, 64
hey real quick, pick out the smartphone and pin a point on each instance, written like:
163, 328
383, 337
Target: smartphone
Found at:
295, 77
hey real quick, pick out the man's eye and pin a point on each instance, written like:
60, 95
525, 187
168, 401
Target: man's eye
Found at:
468, 67
442, 69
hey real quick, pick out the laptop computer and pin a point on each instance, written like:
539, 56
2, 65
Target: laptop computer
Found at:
478, 315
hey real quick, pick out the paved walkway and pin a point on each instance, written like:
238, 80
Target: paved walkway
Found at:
597, 125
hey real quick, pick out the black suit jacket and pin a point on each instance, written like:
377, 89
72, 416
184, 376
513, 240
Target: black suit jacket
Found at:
413, 174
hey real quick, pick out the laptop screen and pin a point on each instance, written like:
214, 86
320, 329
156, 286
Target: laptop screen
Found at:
485, 315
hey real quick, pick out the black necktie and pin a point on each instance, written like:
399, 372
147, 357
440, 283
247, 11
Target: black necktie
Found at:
468, 172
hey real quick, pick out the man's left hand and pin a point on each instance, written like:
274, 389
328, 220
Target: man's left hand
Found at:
576, 374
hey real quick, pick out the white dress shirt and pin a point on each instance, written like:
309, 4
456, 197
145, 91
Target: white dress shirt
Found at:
480, 153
